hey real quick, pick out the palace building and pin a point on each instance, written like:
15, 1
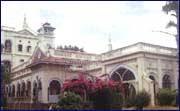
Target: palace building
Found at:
38, 70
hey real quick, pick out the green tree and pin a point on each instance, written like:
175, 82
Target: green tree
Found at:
5, 79
172, 6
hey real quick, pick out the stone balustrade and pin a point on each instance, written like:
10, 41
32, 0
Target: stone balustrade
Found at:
21, 73
144, 47
93, 66
76, 55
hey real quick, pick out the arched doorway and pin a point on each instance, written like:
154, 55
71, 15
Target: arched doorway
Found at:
7, 91
127, 77
35, 92
39, 91
23, 88
10, 90
166, 81
13, 90
54, 91
18, 90
28, 90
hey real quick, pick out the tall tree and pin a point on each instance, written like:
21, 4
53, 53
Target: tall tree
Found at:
5, 79
172, 6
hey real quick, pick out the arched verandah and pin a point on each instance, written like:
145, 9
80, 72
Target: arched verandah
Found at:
128, 78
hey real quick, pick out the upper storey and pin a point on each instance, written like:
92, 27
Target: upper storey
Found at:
139, 47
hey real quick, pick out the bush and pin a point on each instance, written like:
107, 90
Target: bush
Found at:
101, 98
117, 100
70, 101
165, 97
4, 101
105, 98
129, 102
176, 99
102, 94
142, 99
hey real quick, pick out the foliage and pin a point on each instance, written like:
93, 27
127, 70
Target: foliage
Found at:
117, 101
176, 99
4, 101
5, 74
102, 98
96, 91
72, 48
129, 102
165, 97
80, 86
106, 98
84, 87
169, 7
70, 101
172, 6
142, 99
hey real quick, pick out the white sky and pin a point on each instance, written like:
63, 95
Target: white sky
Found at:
87, 24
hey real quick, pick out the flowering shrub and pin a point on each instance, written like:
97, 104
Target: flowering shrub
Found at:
84, 87
97, 91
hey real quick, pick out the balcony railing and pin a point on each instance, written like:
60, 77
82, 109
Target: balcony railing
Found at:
77, 55
139, 47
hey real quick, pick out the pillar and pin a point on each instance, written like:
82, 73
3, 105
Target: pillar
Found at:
45, 85
140, 71
159, 73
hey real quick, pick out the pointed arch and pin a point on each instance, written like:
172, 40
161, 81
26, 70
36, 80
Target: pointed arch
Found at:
166, 81
127, 76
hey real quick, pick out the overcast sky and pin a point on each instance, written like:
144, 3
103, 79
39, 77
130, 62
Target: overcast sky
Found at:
87, 24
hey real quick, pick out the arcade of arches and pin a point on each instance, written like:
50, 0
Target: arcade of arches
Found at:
34, 90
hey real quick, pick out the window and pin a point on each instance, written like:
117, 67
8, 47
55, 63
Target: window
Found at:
8, 45
22, 60
20, 48
7, 66
28, 48
166, 81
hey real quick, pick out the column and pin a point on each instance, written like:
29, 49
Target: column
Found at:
45, 85
140, 71
159, 73
103, 69
175, 75
31, 94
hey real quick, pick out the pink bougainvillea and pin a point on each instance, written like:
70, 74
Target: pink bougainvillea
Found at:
84, 86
